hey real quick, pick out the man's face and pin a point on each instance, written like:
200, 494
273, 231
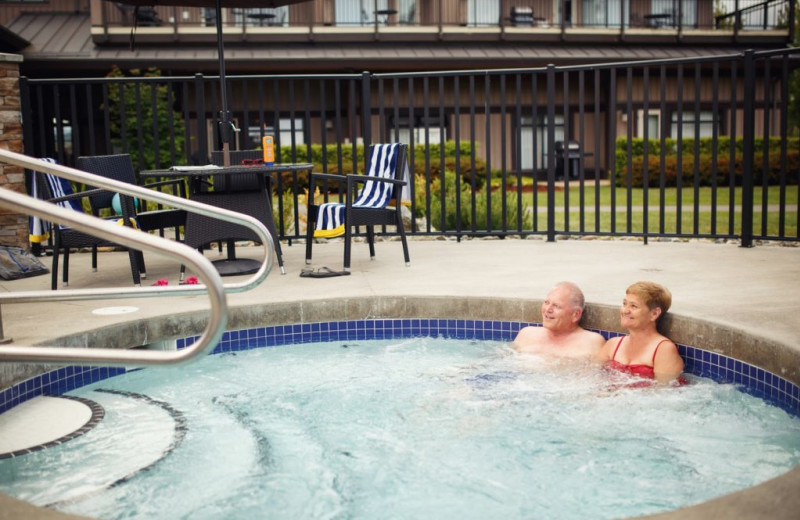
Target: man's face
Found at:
558, 314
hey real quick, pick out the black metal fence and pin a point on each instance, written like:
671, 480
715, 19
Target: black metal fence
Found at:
689, 148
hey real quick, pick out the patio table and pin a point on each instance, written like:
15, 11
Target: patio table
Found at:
201, 230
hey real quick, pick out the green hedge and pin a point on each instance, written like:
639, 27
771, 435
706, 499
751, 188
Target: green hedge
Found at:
723, 165
435, 150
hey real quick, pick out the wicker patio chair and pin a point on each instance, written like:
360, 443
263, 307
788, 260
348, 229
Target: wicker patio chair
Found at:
59, 191
370, 206
246, 183
120, 167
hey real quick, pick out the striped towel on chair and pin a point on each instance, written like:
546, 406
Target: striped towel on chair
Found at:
39, 230
383, 163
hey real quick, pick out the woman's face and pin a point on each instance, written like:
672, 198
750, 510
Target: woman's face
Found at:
635, 314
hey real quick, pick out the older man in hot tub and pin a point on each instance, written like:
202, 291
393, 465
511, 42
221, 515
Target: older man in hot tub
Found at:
561, 334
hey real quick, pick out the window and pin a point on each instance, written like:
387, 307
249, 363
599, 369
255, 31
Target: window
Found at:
670, 7
357, 12
408, 12
284, 136
706, 121
66, 131
527, 135
604, 14
653, 124
483, 12
421, 128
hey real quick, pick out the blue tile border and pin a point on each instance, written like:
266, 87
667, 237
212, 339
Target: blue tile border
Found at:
749, 378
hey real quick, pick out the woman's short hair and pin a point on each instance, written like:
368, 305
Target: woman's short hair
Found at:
653, 294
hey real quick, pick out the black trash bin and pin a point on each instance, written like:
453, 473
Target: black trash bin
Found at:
573, 157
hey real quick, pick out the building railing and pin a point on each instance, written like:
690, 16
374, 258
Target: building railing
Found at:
764, 15
681, 148
410, 14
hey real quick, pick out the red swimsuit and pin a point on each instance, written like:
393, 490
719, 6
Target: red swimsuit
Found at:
645, 371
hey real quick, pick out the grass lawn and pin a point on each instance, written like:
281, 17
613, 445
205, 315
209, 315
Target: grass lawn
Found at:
687, 196
597, 216
703, 226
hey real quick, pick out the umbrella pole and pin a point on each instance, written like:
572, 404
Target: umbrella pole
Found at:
226, 127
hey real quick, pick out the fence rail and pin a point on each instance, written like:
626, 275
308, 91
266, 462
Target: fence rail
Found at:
683, 148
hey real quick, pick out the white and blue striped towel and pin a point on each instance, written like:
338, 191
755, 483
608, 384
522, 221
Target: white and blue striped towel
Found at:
39, 230
383, 163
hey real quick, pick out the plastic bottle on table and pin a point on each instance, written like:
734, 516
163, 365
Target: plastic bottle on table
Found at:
268, 145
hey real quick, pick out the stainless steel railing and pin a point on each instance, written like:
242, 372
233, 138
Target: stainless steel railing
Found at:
212, 283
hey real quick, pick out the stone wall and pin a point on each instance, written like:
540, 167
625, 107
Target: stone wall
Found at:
13, 226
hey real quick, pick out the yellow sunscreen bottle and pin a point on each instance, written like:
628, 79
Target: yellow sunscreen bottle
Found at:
268, 145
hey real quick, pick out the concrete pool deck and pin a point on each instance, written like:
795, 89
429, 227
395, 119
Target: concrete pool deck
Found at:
748, 289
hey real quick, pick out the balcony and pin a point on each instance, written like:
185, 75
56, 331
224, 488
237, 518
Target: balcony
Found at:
634, 21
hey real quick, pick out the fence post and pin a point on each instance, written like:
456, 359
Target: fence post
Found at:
200, 110
551, 153
748, 146
366, 112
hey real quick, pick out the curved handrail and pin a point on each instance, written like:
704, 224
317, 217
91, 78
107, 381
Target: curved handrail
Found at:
132, 238
73, 174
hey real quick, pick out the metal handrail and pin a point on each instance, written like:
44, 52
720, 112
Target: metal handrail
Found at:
212, 283
143, 193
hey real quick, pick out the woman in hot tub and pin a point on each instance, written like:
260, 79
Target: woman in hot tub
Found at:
644, 352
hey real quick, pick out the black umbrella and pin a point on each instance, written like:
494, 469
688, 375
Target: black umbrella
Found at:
225, 121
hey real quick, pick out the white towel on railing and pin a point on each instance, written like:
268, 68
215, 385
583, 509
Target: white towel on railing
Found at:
383, 163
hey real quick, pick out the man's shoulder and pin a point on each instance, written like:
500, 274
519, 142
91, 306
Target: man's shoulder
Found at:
528, 336
595, 337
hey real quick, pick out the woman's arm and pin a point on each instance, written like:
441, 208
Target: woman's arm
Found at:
668, 364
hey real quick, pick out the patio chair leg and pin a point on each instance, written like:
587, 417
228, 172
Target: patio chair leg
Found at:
94, 259
65, 269
140, 263
54, 269
133, 256
348, 236
274, 234
402, 232
310, 224
371, 241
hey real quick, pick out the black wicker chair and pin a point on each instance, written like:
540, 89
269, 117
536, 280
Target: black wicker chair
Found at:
120, 167
252, 184
355, 211
59, 191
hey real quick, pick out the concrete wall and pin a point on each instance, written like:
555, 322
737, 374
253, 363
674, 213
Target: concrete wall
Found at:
770, 355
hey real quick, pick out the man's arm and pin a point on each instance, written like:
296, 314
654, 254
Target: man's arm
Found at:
594, 342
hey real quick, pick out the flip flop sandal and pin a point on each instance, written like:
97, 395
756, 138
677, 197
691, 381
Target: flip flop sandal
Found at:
322, 272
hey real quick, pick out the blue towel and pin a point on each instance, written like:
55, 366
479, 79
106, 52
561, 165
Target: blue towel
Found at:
383, 163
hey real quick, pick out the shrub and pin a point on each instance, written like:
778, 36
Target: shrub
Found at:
463, 219
332, 159
705, 164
